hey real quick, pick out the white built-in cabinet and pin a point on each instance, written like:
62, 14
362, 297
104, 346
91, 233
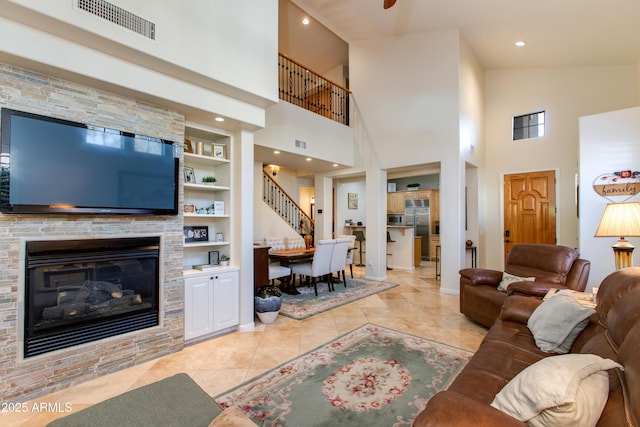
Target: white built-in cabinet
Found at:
212, 295
211, 302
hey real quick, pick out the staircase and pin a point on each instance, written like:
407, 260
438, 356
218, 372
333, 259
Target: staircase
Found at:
282, 204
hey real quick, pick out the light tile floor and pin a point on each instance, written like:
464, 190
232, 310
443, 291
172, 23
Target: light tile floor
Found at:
218, 364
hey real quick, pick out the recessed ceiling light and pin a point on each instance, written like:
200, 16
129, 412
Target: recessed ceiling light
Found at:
219, 119
308, 159
335, 165
276, 152
305, 21
521, 43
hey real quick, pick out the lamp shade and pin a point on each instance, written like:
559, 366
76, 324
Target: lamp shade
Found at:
620, 220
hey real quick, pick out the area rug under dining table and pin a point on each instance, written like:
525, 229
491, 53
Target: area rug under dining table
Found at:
371, 376
307, 304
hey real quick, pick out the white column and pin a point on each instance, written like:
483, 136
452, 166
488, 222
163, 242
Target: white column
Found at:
376, 224
242, 221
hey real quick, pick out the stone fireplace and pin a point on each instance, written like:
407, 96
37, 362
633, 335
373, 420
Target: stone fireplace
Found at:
78, 291
26, 376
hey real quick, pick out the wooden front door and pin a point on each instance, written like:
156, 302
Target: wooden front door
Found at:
529, 209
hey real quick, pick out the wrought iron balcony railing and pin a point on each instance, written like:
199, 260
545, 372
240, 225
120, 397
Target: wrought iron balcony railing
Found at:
300, 86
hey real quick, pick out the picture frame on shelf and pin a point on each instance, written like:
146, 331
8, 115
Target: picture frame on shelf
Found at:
214, 257
218, 207
188, 146
217, 151
189, 175
196, 233
189, 208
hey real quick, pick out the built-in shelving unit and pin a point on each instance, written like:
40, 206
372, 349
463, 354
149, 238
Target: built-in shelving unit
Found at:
200, 198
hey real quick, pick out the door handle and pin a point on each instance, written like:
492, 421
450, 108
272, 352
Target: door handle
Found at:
507, 241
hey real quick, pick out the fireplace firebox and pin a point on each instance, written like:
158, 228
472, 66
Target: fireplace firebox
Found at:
77, 291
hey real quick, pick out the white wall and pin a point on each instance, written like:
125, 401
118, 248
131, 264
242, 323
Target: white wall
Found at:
343, 187
267, 223
325, 139
219, 57
565, 94
609, 142
406, 112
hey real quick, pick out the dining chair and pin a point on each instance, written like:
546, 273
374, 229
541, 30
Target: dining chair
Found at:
338, 261
352, 246
319, 265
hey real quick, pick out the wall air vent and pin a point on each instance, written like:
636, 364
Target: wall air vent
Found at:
301, 144
119, 16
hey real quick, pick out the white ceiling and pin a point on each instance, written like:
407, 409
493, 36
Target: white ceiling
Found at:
559, 33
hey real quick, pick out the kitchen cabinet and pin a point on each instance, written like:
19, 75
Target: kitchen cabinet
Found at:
395, 202
211, 302
201, 198
417, 251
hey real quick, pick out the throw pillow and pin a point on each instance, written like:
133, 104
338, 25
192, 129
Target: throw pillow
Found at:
508, 279
556, 322
232, 417
568, 390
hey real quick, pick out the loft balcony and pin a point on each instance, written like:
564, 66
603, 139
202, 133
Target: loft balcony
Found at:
300, 86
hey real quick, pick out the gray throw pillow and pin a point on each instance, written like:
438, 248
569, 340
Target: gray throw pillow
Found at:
556, 323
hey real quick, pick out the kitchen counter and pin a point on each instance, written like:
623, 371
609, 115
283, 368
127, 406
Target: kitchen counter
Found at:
400, 253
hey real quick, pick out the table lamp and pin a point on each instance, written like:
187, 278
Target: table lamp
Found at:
621, 220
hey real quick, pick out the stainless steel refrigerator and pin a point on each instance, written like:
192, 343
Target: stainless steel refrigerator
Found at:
417, 215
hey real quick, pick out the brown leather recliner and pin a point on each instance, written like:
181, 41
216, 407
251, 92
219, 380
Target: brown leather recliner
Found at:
553, 266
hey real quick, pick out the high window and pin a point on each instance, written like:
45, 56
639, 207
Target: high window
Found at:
528, 126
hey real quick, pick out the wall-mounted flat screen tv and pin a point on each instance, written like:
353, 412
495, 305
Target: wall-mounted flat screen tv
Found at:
49, 165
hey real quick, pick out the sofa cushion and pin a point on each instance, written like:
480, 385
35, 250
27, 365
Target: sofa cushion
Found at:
568, 389
556, 322
295, 243
275, 243
508, 279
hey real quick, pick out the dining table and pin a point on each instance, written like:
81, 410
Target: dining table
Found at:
287, 258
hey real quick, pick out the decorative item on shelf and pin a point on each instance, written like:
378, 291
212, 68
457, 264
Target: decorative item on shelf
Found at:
188, 146
219, 237
196, 233
218, 207
621, 220
469, 243
214, 257
209, 179
267, 303
224, 260
217, 151
200, 148
189, 175
413, 186
189, 208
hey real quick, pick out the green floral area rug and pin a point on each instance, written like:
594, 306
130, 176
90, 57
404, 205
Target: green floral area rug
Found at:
307, 304
371, 376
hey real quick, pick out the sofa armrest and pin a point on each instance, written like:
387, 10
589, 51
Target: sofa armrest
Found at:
449, 408
481, 276
533, 289
518, 308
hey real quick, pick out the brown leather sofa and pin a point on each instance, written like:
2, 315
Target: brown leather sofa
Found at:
553, 266
613, 332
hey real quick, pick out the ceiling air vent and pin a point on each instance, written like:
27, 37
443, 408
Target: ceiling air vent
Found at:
301, 144
119, 16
